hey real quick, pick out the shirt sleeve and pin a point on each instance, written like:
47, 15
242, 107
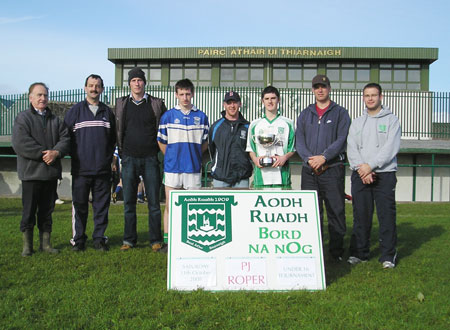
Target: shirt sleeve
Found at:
300, 139
353, 154
251, 146
338, 146
162, 129
23, 142
391, 147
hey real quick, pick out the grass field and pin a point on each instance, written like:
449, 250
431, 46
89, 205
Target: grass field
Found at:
127, 290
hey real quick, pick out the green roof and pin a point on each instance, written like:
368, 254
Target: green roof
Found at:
428, 55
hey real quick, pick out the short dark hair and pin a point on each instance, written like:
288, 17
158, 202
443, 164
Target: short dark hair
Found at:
93, 76
30, 89
269, 90
373, 85
184, 84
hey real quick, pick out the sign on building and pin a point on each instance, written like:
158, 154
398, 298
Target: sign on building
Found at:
245, 240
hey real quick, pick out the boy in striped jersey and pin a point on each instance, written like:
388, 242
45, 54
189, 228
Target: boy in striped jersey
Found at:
182, 138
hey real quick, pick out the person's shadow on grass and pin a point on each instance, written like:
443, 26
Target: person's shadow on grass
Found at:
411, 237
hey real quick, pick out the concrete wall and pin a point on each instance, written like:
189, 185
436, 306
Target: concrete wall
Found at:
11, 186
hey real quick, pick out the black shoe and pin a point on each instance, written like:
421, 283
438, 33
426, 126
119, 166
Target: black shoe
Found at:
79, 247
164, 249
101, 246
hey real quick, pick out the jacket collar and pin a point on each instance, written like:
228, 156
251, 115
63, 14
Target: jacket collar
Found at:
241, 118
47, 111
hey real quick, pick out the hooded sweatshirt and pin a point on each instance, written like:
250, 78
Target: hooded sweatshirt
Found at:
374, 140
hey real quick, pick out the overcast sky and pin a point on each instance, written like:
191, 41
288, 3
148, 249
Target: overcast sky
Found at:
60, 43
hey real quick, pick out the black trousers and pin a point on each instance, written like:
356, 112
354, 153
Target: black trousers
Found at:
382, 192
38, 196
330, 190
100, 186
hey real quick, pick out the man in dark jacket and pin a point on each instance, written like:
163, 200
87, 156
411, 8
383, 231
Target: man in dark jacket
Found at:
137, 121
91, 126
231, 165
321, 136
40, 140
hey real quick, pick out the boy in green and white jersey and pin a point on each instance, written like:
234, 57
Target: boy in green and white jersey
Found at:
270, 143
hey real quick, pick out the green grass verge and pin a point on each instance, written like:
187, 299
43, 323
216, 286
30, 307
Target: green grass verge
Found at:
127, 290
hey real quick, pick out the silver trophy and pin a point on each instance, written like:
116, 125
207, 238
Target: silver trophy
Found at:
266, 140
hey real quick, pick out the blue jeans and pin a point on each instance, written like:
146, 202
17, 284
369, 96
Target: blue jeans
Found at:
148, 167
222, 184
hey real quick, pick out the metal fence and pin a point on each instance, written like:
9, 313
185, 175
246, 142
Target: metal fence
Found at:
423, 115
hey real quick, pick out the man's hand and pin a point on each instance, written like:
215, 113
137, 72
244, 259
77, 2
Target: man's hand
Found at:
369, 179
316, 162
49, 156
364, 170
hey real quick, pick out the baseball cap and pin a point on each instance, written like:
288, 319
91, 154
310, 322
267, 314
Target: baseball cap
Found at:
232, 96
321, 79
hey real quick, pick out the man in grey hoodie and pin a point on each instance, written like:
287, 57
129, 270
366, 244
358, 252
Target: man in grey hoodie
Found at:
372, 146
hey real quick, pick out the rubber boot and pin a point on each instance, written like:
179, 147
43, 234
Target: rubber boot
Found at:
27, 243
44, 238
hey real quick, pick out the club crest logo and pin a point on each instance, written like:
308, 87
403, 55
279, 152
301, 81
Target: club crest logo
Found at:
206, 221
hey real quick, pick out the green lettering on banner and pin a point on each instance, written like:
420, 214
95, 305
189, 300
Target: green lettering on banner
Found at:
258, 248
257, 215
276, 202
260, 200
293, 248
265, 233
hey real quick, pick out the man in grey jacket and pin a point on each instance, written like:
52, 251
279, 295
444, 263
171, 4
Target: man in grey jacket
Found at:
372, 146
40, 140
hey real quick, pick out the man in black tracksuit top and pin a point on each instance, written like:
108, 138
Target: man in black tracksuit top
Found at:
231, 165
91, 124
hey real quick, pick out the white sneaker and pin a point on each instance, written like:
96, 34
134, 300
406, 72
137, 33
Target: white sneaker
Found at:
388, 264
59, 202
354, 260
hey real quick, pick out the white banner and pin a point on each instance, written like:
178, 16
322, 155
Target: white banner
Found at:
245, 240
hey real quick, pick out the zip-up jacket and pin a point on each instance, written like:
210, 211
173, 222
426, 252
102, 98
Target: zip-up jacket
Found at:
326, 136
158, 108
227, 143
92, 138
32, 134
374, 140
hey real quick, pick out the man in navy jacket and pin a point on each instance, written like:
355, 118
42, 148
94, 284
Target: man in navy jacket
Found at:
91, 125
321, 136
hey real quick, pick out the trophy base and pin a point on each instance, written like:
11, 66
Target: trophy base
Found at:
266, 162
